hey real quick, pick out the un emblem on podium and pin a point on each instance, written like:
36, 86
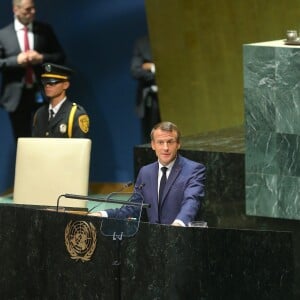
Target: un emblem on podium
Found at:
80, 240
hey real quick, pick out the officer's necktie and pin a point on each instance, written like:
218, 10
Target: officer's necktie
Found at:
29, 70
51, 114
162, 185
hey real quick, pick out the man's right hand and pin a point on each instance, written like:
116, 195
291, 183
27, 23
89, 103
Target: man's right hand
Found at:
22, 59
96, 214
148, 66
31, 57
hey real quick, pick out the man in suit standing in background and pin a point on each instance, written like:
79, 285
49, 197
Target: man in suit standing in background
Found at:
143, 70
24, 45
173, 186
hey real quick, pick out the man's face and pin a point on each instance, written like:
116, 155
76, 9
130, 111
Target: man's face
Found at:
165, 145
55, 90
25, 11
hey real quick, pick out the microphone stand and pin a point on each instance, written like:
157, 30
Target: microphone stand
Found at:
81, 197
117, 266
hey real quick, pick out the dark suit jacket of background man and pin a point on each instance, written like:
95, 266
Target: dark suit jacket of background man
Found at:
45, 42
182, 196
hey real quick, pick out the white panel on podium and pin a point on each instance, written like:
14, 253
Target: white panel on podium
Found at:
49, 167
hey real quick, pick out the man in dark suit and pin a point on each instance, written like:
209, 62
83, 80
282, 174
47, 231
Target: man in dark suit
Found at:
180, 199
59, 118
143, 70
24, 45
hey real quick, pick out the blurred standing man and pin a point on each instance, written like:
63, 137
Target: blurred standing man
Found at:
59, 118
143, 70
24, 45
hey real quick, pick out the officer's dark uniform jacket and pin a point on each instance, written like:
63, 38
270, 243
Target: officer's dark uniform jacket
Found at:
70, 121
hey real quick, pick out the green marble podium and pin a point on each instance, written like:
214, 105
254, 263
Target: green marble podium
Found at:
272, 121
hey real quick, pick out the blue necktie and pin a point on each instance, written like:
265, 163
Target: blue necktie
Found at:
162, 185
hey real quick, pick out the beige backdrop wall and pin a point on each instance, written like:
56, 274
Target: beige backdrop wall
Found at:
197, 48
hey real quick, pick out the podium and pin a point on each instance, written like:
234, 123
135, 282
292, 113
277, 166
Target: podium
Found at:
159, 262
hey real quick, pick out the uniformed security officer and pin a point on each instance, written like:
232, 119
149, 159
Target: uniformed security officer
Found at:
60, 118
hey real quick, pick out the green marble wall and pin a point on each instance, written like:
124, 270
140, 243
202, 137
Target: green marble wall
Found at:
272, 114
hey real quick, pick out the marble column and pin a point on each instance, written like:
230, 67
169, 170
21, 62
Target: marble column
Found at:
272, 120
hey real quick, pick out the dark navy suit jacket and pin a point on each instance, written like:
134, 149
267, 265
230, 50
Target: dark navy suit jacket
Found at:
182, 195
58, 126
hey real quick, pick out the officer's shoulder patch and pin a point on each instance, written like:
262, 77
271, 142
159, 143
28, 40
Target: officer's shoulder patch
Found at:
84, 123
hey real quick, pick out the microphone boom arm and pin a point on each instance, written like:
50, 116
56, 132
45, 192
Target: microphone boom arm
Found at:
81, 197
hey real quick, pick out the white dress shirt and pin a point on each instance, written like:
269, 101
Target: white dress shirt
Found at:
19, 27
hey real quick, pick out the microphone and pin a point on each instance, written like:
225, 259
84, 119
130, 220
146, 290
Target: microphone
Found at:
126, 185
73, 196
106, 199
80, 197
143, 213
139, 187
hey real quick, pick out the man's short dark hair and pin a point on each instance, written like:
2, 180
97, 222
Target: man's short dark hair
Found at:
166, 126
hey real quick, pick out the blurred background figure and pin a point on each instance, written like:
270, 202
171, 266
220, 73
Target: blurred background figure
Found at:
24, 45
143, 70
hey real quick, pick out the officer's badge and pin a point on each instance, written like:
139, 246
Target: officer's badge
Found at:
48, 68
63, 128
80, 240
84, 123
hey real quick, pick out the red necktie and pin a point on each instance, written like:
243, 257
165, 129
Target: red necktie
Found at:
29, 70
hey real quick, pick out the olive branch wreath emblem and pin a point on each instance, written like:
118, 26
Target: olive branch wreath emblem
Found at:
80, 240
